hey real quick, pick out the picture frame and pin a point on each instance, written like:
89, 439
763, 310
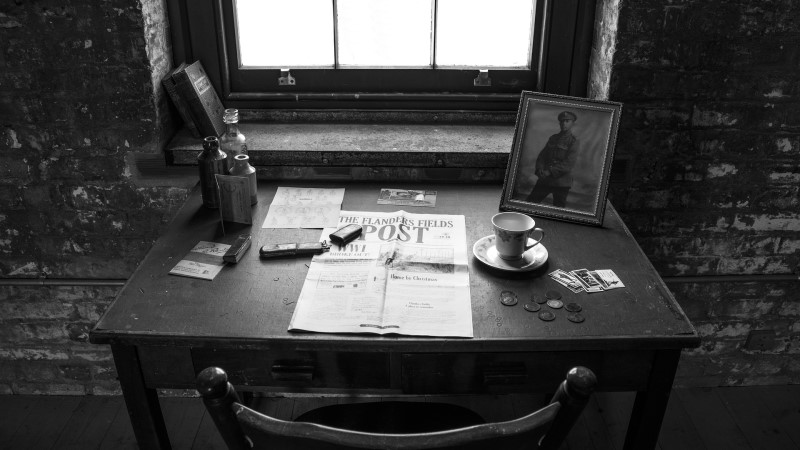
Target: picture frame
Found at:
557, 172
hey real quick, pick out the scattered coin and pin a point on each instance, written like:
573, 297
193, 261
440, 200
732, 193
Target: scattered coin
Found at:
547, 316
575, 317
508, 298
539, 299
555, 304
532, 307
573, 307
553, 295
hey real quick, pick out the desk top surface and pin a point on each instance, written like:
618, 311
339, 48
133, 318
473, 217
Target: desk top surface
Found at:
249, 304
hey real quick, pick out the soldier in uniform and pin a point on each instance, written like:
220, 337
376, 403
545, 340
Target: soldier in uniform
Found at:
555, 163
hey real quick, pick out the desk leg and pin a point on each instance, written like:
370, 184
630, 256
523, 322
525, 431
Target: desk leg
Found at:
142, 402
649, 406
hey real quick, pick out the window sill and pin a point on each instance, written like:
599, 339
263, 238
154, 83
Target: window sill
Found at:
468, 152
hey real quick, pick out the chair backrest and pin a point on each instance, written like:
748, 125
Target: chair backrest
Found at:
243, 428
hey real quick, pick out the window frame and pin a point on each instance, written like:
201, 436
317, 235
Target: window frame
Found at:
201, 30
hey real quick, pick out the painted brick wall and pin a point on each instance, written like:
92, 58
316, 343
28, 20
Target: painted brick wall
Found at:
711, 125
77, 95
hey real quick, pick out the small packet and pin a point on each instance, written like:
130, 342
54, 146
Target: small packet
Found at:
345, 234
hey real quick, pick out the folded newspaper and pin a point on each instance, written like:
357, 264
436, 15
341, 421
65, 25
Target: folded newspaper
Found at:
406, 274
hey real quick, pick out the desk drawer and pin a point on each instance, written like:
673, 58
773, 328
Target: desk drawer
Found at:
455, 373
298, 369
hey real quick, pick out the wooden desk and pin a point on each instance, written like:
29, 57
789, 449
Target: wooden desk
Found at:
164, 329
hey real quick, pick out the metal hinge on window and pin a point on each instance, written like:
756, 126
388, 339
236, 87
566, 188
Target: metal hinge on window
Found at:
286, 78
483, 78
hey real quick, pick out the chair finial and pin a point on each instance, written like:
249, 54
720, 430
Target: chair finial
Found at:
581, 381
212, 382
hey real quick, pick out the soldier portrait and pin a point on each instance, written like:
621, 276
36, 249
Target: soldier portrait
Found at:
560, 163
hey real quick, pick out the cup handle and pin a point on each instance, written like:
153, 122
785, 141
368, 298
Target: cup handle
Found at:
536, 241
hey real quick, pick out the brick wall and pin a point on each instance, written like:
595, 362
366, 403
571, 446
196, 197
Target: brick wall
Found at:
710, 129
711, 125
77, 96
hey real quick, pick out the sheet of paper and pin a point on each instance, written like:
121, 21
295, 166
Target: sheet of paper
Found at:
203, 261
407, 197
295, 207
406, 274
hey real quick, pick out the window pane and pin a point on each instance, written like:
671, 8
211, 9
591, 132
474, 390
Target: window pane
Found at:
283, 33
482, 34
381, 33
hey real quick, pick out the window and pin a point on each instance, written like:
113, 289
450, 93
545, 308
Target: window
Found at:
385, 54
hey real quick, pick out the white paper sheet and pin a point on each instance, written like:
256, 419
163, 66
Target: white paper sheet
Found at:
295, 207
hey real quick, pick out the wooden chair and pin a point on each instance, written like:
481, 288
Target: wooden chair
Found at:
243, 428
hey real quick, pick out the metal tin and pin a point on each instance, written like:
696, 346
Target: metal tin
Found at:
211, 161
242, 168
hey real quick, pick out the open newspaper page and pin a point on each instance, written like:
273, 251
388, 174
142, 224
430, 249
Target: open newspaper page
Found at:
406, 274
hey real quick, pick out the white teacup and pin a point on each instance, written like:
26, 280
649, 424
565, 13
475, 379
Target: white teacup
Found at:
512, 234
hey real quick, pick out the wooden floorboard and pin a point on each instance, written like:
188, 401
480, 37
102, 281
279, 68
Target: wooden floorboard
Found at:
14, 410
89, 423
615, 409
678, 430
758, 417
754, 419
712, 419
120, 433
783, 403
591, 431
54, 411
182, 417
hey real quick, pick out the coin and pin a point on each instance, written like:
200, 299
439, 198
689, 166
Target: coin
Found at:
508, 298
539, 299
532, 307
555, 304
575, 317
553, 295
547, 316
573, 307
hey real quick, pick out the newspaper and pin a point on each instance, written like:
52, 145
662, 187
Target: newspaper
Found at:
406, 274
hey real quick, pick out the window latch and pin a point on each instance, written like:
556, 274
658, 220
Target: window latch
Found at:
483, 78
286, 78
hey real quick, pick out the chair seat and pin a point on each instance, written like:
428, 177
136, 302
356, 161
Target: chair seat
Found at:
393, 417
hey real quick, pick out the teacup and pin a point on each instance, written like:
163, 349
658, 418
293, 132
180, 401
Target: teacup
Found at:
512, 234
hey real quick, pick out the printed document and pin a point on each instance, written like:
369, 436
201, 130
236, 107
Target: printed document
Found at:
295, 207
406, 274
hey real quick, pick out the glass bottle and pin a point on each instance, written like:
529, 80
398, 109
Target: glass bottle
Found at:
211, 161
242, 168
232, 141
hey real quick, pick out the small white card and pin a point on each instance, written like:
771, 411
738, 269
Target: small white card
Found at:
567, 280
407, 197
203, 261
608, 279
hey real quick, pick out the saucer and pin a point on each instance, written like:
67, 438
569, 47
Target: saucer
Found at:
486, 253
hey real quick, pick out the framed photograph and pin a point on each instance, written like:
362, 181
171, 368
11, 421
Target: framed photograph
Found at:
561, 157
